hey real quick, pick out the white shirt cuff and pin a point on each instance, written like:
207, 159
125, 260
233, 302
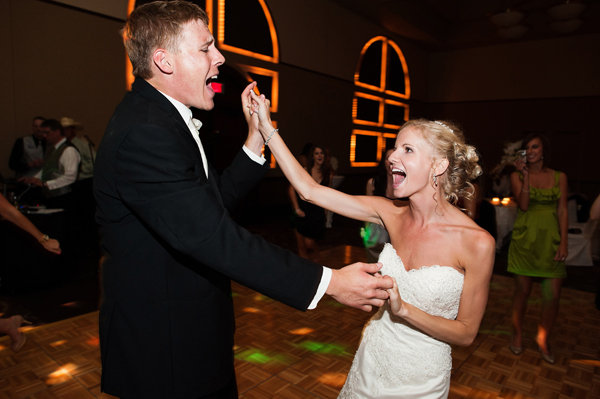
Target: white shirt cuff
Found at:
258, 159
323, 285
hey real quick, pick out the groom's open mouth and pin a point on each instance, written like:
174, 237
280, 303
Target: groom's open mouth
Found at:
398, 176
212, 83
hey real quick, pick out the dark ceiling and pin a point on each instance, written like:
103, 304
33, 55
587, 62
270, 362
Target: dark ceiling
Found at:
454, 24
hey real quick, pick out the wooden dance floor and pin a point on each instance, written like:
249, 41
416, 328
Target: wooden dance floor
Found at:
284, 353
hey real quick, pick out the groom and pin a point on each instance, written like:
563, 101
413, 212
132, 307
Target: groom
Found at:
166, 322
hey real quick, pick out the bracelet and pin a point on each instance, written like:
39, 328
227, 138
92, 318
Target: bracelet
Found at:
270, 136
43, 238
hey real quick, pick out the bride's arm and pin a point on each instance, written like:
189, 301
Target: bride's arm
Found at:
462, 331
355, 207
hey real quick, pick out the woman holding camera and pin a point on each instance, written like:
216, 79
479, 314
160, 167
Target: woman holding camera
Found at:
538, 246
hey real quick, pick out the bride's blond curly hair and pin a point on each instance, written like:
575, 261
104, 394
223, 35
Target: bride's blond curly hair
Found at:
448, 142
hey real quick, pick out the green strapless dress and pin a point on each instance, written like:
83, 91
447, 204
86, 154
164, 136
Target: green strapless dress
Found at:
536, 236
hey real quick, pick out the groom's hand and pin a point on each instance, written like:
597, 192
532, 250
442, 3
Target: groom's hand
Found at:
254, 141
360, 286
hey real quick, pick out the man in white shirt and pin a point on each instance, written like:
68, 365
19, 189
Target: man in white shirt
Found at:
60, 168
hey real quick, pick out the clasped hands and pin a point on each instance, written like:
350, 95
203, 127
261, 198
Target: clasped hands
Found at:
360, 285
257, 110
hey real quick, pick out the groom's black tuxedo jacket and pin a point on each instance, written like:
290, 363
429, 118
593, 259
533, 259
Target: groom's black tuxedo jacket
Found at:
166, 321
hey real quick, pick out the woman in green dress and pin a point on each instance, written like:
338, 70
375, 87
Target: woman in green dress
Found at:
538, 247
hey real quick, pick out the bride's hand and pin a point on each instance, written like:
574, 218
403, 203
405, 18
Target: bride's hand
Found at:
262, 107
254, 141
395, 301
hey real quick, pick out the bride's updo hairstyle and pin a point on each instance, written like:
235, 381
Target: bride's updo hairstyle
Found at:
448, 142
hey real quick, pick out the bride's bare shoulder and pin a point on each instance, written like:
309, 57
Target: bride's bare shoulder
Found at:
478, 246
473, 236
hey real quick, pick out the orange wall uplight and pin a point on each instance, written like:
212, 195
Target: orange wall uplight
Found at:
129, 78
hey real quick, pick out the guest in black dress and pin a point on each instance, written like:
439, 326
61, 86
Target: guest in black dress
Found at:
308, 219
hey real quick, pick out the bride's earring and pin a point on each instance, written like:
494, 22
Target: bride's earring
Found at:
435, 183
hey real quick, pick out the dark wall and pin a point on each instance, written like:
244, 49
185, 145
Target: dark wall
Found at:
569, 123
58, 61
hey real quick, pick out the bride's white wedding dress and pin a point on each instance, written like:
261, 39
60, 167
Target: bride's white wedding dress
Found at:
396, 360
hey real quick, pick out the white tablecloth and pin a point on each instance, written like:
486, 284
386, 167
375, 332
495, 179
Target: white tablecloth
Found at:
505, 218
580, 248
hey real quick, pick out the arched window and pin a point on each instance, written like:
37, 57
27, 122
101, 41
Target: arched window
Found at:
258, 47
380, 105
258, 43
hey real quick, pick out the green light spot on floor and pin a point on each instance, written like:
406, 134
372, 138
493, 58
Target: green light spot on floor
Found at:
259, 357
324, 348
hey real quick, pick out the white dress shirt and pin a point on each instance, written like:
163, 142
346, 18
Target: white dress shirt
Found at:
68, 163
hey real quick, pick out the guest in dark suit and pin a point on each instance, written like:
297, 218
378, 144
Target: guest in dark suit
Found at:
27, 154
166, 322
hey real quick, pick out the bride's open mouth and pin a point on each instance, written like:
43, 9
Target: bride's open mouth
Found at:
398, 176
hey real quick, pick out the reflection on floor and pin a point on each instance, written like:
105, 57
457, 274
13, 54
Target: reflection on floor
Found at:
284, 353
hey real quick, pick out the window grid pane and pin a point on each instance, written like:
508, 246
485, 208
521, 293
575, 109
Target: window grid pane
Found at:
391, 84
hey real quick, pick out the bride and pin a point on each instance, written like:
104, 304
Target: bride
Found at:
440, 259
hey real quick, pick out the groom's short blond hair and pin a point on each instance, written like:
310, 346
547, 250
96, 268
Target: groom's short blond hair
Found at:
154, 25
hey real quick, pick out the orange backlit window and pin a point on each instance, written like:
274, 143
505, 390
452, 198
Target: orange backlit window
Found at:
380, 105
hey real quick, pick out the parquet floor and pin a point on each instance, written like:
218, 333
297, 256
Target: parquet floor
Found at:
284, 353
